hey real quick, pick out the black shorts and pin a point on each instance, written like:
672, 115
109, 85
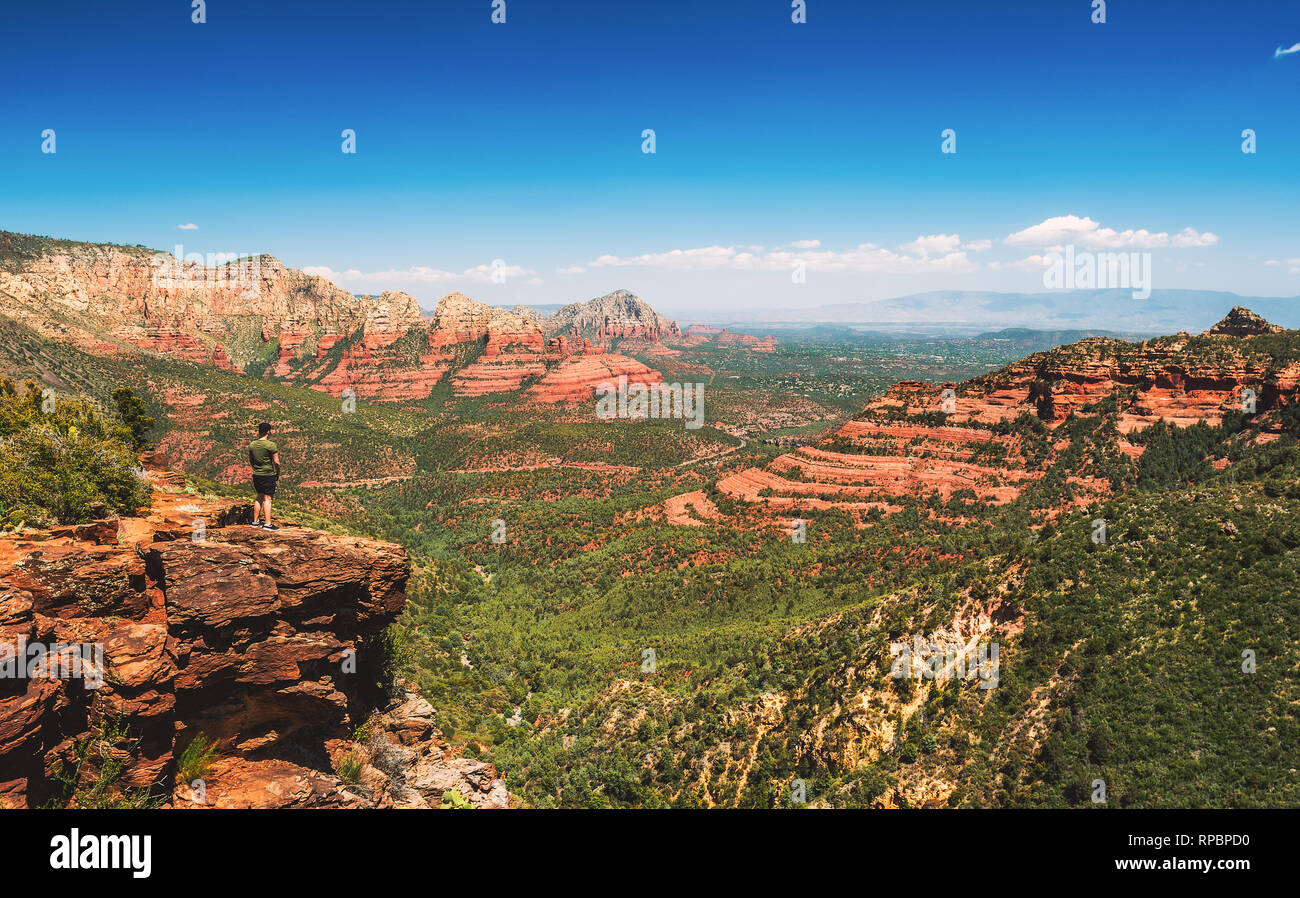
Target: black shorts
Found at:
265, 483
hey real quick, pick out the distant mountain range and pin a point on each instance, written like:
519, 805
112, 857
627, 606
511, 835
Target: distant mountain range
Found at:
976, 311
182, 308
261, 318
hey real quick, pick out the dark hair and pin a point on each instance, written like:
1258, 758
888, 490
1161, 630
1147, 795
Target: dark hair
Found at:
263, 429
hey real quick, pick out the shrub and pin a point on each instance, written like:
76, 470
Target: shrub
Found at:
92, 779
350, 767
454, 801
195, 761
131, 412
63, 461
387, 655
72, 479
363, 732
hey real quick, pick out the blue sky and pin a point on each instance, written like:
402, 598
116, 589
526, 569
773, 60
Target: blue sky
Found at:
522, 142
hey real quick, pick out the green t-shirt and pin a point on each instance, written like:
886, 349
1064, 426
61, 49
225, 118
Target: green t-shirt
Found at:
259, 456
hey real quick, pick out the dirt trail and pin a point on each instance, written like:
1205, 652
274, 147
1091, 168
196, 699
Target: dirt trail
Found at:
695, 461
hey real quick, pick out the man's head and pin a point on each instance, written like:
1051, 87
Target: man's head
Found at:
263, 429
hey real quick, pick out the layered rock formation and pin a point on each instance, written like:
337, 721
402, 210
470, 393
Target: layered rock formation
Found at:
1242, 322
576, 378
487, 350
882, 458
258, 316
86, 293
381, 366
1180, 380
459, 319
748, 341
259, 641
514, 347
922, 440
620, 315
701, 334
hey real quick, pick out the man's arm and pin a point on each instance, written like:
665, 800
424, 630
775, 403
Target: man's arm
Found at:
275, 460
251, 463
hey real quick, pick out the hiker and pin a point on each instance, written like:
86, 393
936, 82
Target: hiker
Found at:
264, 457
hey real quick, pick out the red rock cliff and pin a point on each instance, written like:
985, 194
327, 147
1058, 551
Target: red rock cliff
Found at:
920, 439
258, 640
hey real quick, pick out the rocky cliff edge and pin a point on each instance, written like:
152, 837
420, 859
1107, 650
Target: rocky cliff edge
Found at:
189, 621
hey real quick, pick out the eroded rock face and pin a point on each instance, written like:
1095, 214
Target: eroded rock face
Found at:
1242, 322
876, 461
110, 298
401, 763
257, 316
699, 334
258, 640
620, 315
514, 348
459, 319
1167, 380
954, 439
576, 378
748, 341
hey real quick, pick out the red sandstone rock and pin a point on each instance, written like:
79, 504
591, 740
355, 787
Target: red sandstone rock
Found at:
616, 316
245, 636
1242, 322
241, 636
576, 378
697, 334
81, 293
891, 452
119, 300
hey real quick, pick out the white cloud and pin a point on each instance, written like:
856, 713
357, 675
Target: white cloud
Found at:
1189, 237
935, 243
1029, 263
866, 257
1087, 233
697, 259
416, 276
483, 273
187, 227
324, 271
1294, 48
936, 252
941, 244
571, 269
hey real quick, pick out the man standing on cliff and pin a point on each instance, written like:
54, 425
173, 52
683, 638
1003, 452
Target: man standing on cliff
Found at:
264, 457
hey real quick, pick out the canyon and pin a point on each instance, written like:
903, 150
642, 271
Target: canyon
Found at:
916, 487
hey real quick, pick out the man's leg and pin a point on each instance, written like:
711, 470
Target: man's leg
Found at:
266, 512
257, 508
